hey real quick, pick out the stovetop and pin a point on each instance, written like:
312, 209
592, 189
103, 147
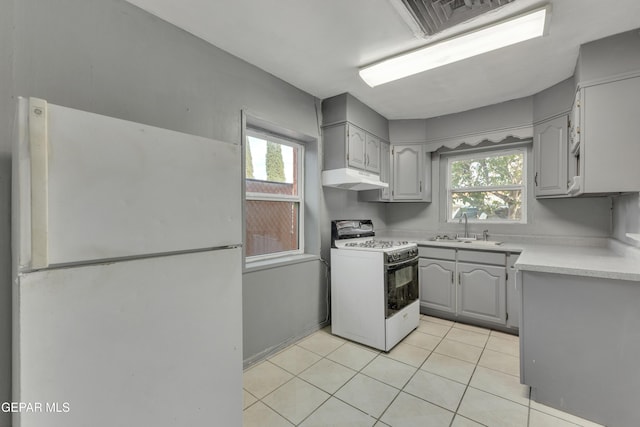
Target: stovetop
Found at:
359, 235
380, 245
376, 244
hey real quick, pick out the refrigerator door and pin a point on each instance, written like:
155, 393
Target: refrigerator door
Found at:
92, 187
149, 342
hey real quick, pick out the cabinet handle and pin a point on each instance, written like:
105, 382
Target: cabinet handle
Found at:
459, 279
421, 186
452, 280
535, 179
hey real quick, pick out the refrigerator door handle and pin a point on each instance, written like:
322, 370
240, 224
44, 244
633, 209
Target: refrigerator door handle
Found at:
38, 147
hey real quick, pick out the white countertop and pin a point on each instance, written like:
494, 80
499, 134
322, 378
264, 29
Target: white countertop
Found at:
592, 257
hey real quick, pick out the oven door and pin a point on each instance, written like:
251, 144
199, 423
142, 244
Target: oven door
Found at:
400, 285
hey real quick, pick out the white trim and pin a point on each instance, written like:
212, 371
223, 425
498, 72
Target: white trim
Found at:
38, 146
272, 197
475, 138
491, 152
288, 198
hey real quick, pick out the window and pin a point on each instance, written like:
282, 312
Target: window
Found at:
274, 196
488, 187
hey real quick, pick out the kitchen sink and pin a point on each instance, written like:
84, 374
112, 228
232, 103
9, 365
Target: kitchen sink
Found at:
444, 239
472, 241
483, 242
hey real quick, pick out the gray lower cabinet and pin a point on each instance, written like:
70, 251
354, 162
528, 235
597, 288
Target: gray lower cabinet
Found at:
437, 284
513, 294
579, 345
482, 292
468, 284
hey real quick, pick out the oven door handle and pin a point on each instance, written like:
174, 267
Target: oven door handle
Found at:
401, 264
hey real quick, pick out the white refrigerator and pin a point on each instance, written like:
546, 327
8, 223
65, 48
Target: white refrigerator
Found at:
127, 307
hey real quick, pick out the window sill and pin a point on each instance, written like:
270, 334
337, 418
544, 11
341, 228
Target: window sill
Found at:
266, 264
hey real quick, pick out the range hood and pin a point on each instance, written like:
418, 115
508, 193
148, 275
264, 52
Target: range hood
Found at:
352, 179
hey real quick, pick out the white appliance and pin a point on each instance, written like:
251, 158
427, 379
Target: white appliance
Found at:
374, 285
127, 273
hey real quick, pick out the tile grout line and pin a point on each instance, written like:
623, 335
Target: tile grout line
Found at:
378, 354
468, 384
413, 375
295, 376
345, 383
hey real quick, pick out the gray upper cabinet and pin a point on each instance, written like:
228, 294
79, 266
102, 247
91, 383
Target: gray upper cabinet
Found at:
372, 154
550, 147
407, 170
356, 142
385, 170
346, 145
353, 134
409, 177
363, 149
605, 152
482, 292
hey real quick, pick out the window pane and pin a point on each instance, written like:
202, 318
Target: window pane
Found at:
271, 227
271, 167
498, 205
486, 171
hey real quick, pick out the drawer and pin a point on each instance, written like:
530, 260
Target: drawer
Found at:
480, 257
438, 253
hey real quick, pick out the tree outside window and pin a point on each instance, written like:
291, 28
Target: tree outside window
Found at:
488, 187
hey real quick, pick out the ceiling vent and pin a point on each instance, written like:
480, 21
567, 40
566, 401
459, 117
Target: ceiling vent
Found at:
428, 17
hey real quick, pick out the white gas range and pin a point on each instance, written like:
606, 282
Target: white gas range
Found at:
374, 285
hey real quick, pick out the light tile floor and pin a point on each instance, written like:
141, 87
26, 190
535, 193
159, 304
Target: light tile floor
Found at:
442, 374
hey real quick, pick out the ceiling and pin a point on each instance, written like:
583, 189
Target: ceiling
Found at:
319, 45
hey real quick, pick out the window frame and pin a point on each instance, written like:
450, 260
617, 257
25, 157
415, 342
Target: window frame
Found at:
484, 154
299, 198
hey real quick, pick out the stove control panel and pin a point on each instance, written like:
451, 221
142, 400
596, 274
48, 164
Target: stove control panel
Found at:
401, 255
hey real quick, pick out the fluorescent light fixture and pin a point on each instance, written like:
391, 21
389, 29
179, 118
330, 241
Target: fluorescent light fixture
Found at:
505, 33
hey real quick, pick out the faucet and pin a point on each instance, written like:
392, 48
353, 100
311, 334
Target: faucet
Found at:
485, 235
466, 225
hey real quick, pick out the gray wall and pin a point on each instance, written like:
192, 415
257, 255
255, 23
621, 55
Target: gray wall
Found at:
626, 217
617, 54
566, 217
109, 57
555, 100
6, 114
517, 112
281, 305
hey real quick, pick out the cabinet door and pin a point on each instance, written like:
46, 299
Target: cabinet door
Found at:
407, 172
482, 292
513, 294
372, 154
356, 147
385, 169
550, 148
437, 288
